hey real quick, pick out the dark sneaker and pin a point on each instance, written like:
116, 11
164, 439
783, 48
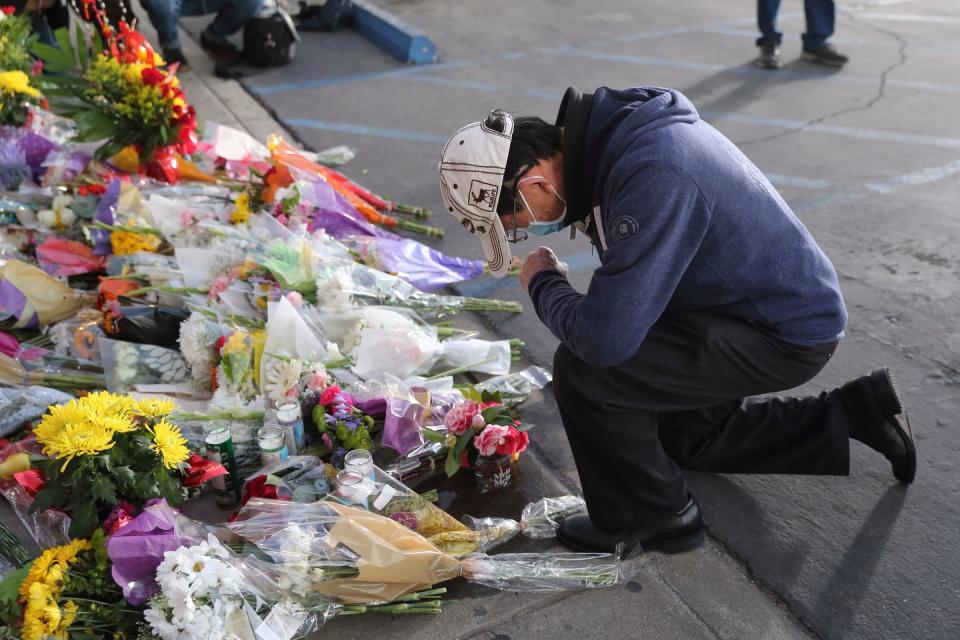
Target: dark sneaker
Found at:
769, 57
883, 425
175, 56
219, 49
680, 532
826, 55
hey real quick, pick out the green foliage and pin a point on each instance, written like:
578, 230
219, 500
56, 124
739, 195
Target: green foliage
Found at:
16, 39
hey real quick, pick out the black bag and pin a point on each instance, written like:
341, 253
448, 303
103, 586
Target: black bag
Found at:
270, 41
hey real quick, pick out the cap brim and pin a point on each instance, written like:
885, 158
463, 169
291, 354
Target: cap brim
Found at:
496, 248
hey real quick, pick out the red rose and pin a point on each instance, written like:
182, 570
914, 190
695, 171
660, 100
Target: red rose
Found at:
9, 10
513, 442
152, 76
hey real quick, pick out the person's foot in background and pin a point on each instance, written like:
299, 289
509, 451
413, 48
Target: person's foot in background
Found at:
824, 54
220, 49
769, 56
175, 56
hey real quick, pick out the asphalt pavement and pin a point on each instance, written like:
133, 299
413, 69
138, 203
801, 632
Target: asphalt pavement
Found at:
868, 157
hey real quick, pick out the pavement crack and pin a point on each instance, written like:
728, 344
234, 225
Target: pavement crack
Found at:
880, 94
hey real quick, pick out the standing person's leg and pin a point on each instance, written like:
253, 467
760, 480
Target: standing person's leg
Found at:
230, 18
770, 39
163, 16
821, 16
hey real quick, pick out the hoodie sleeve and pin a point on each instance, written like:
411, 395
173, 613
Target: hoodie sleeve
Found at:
654, 223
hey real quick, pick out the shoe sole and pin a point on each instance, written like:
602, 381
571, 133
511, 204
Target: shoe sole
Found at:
809, 57
670, 546
767, 65
885, 388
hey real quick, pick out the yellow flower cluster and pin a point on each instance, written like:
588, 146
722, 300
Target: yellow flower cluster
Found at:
124, 243
87, 426
17, 82
241, 213
123, 88
43, 618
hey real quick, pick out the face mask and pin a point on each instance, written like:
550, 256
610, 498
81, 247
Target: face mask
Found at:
543, 228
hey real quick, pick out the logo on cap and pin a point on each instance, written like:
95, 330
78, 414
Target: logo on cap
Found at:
483, 195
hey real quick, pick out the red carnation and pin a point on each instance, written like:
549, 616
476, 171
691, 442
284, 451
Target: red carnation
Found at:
152, 76
9, 10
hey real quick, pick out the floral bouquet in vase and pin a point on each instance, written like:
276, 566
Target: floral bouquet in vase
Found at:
484, 434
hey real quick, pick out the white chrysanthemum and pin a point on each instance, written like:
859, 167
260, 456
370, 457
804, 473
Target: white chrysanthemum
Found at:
280, 376
196, 345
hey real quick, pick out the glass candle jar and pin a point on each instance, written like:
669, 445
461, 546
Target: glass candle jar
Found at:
360, 462
273, 445
494, 473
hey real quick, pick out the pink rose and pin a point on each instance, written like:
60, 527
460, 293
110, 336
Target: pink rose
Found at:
218, 286
460, 417
318, 381
514, 442
478, 423
490, 439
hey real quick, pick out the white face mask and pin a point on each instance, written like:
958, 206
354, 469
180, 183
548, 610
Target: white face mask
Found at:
538, 228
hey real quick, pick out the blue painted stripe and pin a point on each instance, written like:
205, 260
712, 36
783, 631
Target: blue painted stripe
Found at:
363, 130
356, 77
779, 180
752, 72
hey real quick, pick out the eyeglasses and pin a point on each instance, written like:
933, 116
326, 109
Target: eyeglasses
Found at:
515, 235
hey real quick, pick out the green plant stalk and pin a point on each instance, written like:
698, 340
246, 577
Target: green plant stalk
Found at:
11, 548
338, 364
465, 369
166, 289
121, 227
416, 212
416, 227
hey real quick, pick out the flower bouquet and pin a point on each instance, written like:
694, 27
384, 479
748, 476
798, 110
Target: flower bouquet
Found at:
17, 89
482, 431
103, 448
67, 592
121, 92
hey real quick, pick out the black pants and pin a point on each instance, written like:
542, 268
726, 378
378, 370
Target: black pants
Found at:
678, 403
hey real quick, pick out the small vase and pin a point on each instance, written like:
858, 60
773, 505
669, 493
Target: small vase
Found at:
494, 473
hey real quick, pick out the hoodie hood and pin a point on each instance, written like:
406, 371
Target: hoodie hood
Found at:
601, 127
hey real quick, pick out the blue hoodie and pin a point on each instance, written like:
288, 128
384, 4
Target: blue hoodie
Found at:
689, 224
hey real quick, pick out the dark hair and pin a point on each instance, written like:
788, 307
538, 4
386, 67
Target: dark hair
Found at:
533, 140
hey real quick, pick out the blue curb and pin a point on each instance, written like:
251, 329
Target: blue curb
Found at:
392, 34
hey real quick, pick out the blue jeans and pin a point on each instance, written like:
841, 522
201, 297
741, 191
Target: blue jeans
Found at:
231, 16
820, 18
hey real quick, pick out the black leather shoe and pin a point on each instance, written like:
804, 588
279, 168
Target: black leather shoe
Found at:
680, 532
881, 428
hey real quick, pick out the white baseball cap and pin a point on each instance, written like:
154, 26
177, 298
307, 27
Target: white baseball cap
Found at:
471, 181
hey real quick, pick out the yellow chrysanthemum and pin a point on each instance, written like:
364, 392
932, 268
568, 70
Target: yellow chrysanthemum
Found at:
106, 403
17, 82
134, 72
242, 211
125, 243
82, 439
154, 407
58, 417
169, 444
48, 570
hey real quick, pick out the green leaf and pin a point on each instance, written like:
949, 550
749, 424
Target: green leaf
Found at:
104, 490
9, 587
44, 499
462, 442
82, 52
433, 436
83, 519
452, 465
63, 39
54, 59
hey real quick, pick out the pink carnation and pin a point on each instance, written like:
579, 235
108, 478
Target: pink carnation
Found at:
318, 381
329, 395
490, 438
460, 417
295, 299
218, 286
